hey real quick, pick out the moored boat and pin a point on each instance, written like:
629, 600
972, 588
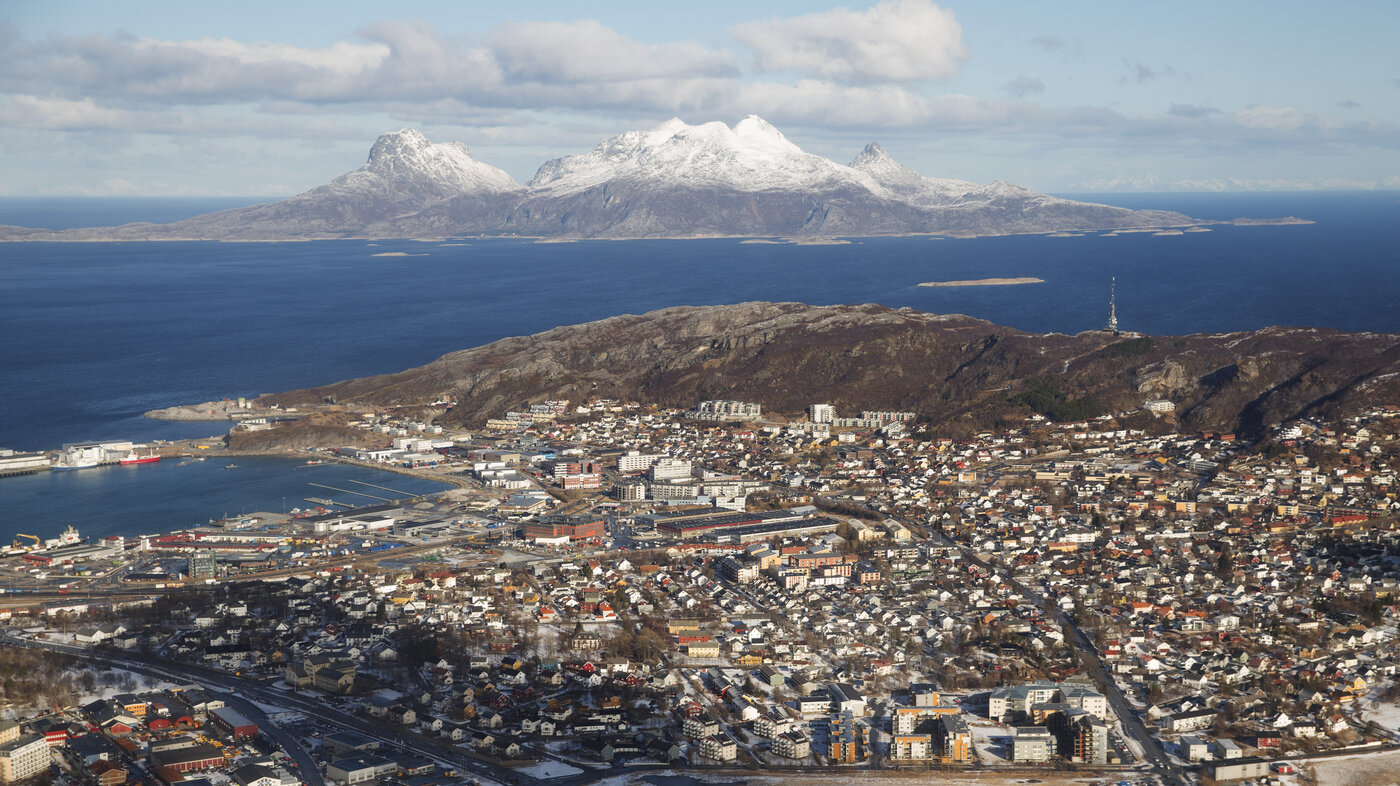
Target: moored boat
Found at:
135, 459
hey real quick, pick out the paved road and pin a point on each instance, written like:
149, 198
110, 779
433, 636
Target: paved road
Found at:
330, 718
307, 769
1157, 758
1132, 724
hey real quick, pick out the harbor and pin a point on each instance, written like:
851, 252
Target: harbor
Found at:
89, 455
189, 486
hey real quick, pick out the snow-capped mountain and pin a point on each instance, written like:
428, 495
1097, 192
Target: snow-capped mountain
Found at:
752, 156
405, 175
405, 162
908, 185
682, 180
675, 180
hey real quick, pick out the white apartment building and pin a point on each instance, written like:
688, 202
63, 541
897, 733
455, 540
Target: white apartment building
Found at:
23, 758
636, 462
670, 469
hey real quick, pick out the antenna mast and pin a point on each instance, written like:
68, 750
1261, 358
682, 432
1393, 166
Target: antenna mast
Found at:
1113, 305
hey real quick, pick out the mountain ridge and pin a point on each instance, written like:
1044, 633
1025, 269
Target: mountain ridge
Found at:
957, 372
674, 180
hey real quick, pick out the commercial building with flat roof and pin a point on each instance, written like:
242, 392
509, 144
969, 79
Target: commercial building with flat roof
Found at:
572, 527
701, 521
195, 757
359, 769
233, 723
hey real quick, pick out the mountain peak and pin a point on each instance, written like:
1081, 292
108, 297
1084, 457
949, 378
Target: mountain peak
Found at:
668, 129
875, 162
754, 130
872, 154
398, 143
751, 156
406, 156
753, 125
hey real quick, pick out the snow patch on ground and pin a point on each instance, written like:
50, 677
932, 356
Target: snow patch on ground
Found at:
548, 769
990, 742
1385, 714
111, 681
1367, 769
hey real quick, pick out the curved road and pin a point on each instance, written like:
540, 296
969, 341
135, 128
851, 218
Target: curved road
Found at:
331, 719
1156, 756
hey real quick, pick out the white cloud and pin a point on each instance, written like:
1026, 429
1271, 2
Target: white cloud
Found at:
425, 65
587, 51
1280, 118
173, 72
538, 65
119, 187
1284, 184
1191, 111
341, 57
57, 114
1149, 182
534, 89
895, 41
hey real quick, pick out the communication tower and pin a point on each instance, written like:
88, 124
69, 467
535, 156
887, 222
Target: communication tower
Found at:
1113, 305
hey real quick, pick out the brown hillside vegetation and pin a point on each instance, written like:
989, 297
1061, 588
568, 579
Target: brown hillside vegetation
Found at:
957, 372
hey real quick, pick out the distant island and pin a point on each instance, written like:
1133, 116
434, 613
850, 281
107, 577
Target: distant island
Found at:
985, 282
672, 181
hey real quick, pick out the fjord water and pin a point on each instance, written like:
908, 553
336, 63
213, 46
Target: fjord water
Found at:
96, 333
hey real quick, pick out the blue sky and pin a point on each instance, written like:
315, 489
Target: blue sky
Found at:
271, 98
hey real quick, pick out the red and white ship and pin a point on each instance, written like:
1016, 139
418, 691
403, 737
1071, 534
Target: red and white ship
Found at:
150, 458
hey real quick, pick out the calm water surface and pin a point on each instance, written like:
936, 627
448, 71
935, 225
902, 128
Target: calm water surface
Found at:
94, 334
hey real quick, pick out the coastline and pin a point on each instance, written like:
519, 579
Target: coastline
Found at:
190, 487
84, 235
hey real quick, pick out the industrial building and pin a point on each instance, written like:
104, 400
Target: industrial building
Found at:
694, 523
1238, 769
360, 768
233, 723
189, 759
563, 529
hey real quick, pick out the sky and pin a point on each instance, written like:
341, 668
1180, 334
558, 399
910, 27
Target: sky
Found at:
257, 98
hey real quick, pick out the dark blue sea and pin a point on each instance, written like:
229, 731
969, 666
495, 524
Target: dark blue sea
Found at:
94, 334
176, 493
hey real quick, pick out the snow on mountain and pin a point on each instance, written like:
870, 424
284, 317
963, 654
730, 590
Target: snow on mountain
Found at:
405, 164
908, 184
753, 156
674, 180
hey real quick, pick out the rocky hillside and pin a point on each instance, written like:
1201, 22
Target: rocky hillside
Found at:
957, 372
